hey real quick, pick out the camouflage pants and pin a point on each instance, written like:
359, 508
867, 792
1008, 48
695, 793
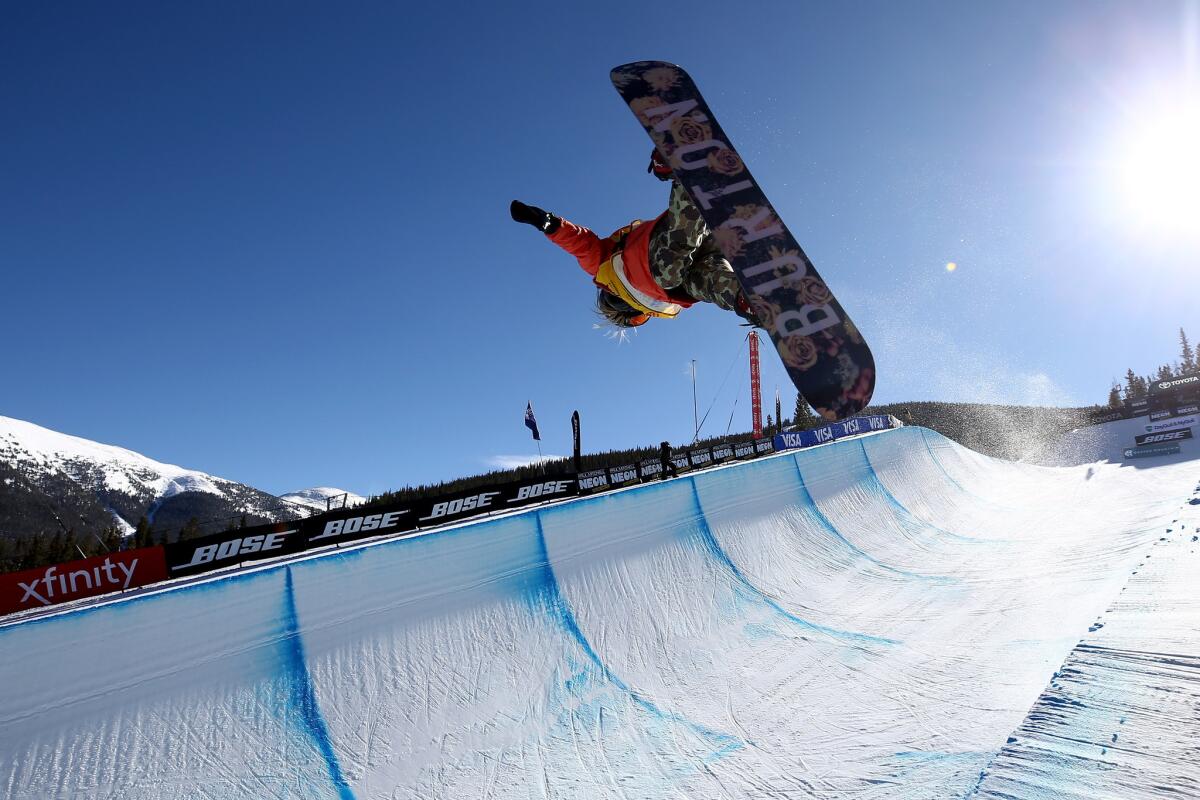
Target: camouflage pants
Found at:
684, 256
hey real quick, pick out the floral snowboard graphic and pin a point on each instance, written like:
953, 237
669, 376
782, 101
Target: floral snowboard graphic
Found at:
824, 353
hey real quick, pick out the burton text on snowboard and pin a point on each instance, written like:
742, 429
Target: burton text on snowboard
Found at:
823, 351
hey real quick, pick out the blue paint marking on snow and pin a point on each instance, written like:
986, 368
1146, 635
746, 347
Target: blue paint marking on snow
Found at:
938, 463
811, 504
303, 694
874, 482
716, 551
555, 600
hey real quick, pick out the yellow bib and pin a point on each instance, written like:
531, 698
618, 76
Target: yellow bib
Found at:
611, 276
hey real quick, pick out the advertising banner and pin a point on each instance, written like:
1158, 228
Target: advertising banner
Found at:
701, 457
1180, 384
682, 462
593, 481
836, 430
1157, 450
75, 580
576, 456
358, 523
763, 446
1163, 437
1172, 424
233, 547
743, 450
618, 476
650, 468
1110, 416
722, 452
498, 497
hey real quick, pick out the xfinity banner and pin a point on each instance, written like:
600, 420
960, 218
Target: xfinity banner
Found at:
74, 580
233, 547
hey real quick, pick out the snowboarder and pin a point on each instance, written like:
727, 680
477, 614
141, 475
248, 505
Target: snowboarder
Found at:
668, 466
648, 269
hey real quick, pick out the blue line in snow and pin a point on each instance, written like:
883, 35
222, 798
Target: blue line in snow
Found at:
567, 619
303, 695
837, 534
891, 498
718, 552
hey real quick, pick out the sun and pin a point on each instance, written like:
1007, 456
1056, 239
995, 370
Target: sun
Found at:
1157, 172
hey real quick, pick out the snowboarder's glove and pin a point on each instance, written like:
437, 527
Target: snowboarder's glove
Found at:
743, 310
659, 168
544, 221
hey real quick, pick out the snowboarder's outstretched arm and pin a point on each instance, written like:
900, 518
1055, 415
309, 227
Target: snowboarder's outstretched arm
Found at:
588, 248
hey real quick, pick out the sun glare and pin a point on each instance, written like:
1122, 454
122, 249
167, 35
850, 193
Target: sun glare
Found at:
1158, 173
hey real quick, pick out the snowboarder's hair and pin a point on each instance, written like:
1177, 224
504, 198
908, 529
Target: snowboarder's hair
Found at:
615, 310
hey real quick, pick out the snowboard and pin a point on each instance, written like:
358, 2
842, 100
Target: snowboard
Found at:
824, 353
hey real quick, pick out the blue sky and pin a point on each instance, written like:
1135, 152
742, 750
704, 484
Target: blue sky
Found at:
271, 240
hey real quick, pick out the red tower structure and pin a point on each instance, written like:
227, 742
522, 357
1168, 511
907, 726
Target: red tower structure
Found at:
755, 388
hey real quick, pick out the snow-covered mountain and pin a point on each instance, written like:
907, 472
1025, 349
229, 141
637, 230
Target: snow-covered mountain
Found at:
323, 498
50, 480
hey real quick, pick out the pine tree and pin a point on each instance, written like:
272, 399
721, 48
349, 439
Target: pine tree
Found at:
1135, 387
1165, 373
1187, 356
141, 533
1114, 396
805, 419
190, 531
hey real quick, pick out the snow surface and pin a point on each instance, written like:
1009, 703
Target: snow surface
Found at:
872, 619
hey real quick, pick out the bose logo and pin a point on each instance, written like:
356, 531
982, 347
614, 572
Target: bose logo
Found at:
260, 543
1166, 436
539, 489
373, 522
451, 507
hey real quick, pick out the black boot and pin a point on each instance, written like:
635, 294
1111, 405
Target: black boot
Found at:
544, 221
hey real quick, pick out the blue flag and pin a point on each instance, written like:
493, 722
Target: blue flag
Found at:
531, 422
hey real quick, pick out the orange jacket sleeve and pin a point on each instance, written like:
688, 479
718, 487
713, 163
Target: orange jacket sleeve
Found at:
587, 247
